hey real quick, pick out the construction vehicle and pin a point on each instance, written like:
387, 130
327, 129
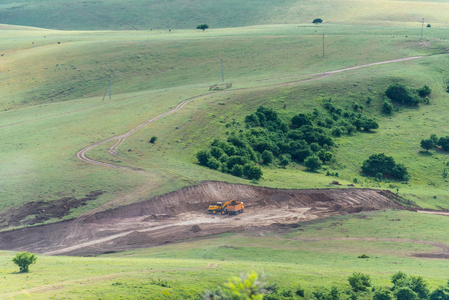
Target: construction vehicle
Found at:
219, 208
235, 207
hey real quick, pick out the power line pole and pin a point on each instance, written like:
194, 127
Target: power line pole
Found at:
422, 28
323, 45
222, 72
108, 88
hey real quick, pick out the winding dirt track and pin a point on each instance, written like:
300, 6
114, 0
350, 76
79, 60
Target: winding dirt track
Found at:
82, 154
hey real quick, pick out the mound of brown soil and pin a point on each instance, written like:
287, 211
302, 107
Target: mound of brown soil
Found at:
183, 214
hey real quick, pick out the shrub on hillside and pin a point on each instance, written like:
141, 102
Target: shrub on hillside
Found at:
385, 166
399, 93
317, 21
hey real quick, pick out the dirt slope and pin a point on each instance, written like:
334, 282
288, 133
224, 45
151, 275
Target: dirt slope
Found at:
182, 215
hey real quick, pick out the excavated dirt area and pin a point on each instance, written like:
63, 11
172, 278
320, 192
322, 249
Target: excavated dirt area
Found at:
183, 215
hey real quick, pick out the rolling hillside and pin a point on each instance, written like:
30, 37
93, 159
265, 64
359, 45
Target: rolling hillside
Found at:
182, 14
79, 168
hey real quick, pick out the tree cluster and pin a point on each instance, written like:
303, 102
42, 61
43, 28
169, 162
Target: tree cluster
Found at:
405, 287
434, 142
401, 94
380, 165
306, 138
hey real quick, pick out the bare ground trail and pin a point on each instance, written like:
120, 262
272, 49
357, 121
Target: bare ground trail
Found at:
82, 154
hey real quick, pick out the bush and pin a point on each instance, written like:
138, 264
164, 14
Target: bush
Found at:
252, 171
237, 170
23, 260
153, 139
312, 163
444, 143
213, 163
387, 108
267, 157
202, 27
384, 165
317, 21
424, 91
399, 93
382, 294
427, 144
283, 161
203, 157
359, 282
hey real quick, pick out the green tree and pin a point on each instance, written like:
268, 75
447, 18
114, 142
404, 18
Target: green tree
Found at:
203, 157
246, 287
399, 93
427, 144
424, 91
312, 163
24, 260
387, 108
359, 282
283, 161
444, 143
405, 293
317, 21
267, 157
153, 139
237, 170
252, 171
382, 294
202, 27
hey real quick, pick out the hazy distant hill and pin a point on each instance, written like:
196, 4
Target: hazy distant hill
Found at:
171, 14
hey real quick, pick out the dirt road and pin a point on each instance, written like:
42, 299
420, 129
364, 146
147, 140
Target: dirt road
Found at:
82, 154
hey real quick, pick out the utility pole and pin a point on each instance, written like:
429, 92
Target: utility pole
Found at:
422, 28
108, 88
222, 72
323, 45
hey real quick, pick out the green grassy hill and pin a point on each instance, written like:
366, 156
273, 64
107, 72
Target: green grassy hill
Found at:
52, 83
177, 14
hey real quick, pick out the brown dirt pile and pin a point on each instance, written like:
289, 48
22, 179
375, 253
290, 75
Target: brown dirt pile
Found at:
183, 214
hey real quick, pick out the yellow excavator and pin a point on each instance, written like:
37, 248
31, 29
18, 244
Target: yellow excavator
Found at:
219, 208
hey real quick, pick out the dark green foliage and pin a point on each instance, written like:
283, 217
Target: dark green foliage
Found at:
216, 152
387, 108
427, 144
300, 292
443, 142
213, 163
236, 160
153, 139
252, 171
409, 287
428, 26
359, 282
424, 91
203, 157
382, 294
405, 293
267, 118
312, 163
440, 293
202, 26
267, 157
399, 93
384, 165
317, 21
300, 120
324, 155
364, 123
237, 170
283, 161
23, 260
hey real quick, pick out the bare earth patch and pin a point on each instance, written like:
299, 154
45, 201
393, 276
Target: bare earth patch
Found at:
182, 215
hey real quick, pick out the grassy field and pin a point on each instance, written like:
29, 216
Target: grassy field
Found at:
319, 253
151, 14
40, 137
52, 83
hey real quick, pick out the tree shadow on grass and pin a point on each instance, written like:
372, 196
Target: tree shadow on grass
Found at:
425, 153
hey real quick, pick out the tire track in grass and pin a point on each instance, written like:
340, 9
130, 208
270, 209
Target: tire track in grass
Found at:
120, 139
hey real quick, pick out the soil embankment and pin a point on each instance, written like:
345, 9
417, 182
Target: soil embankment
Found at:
182, 215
